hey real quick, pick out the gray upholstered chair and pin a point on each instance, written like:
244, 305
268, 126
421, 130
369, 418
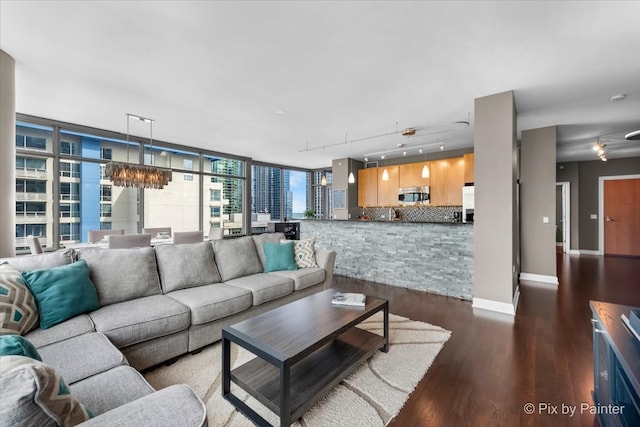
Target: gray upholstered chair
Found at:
187, 237
94, 236
216, 233
129, 241
154, 231
34, 244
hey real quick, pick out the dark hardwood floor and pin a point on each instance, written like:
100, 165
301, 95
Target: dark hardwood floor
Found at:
494, 364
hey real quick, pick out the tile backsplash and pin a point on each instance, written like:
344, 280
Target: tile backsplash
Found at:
414, 213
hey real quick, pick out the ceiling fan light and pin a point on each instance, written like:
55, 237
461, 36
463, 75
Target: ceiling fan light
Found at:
633, 136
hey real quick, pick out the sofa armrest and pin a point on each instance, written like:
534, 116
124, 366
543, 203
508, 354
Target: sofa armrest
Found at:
177, 405
326, 259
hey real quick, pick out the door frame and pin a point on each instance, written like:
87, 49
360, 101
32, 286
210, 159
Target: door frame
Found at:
601, 181
566, 213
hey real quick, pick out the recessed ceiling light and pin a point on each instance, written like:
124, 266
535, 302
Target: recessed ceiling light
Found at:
281, 112
400, 145
617, 98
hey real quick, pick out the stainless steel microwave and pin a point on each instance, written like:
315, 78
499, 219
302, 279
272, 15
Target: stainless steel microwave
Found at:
411, 196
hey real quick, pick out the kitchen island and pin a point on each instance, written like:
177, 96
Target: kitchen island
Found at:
433, 257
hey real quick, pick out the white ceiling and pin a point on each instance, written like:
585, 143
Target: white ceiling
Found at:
214, 74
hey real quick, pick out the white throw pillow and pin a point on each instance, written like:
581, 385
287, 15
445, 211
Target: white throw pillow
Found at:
33, 393
304, 252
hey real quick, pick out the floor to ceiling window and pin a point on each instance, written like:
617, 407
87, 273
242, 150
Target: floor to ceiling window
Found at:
62, 191
277, 194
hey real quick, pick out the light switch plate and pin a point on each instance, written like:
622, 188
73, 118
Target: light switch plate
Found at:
545, 220
594, 216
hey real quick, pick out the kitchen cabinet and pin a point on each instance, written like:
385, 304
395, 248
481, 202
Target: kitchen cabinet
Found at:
368, 187
447, 180
388, 190
411, 175
468, 168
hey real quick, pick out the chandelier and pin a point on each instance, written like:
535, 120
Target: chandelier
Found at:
143, 176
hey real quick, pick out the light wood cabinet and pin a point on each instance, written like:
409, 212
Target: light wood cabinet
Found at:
447, 177
368, 187
468, 168
447, 180
411, 175
388, 190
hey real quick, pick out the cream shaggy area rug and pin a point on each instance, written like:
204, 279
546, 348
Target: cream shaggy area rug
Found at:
372, 396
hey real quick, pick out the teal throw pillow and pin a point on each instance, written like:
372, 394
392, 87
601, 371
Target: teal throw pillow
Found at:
62, 292
279, 256
15, 345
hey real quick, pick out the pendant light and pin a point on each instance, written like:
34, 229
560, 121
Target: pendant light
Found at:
323, 180
385, 172
425, 168
352, 177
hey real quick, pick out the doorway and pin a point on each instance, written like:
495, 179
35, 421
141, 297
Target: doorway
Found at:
619, 224
563, 215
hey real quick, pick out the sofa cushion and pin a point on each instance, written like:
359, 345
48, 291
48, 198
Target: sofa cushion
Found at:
73, 327
141, 319
18, 310
264, 287
15, 345
211, 302
40, 261
304, 277
305, 253
81, 357
62, 292
236, 257
123, 274
279, 256
111, 389
260, 239
34, 394
186, 266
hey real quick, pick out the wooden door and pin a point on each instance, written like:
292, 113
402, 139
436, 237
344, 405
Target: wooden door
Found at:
622, 217
469, 168
368, 187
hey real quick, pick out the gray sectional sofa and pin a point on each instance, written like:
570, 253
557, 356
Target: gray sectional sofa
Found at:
156, 304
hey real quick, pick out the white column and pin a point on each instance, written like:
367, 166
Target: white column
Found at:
7, 156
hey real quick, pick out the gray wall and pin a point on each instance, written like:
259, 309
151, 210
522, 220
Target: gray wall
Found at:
584, 177
495, 231
537, 200
7, 156
340, 169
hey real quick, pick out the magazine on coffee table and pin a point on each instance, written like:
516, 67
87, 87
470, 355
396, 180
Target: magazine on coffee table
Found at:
346, 298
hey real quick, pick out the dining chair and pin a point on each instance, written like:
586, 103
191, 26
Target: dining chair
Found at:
94, 236
129, 241
187, 237
34, 244
216, 233
155, 231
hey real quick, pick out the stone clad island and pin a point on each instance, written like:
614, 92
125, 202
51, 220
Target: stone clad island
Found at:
433, 257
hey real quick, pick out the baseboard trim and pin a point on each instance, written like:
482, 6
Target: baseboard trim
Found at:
589, 252
574, 252
500, 307
559, 244
539, 278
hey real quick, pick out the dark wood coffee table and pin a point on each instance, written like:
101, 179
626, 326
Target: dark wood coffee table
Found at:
304, 349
